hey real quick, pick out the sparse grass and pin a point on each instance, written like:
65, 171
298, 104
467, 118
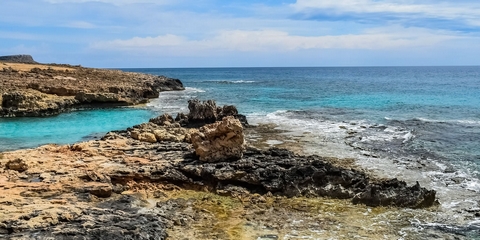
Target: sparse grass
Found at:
25, 67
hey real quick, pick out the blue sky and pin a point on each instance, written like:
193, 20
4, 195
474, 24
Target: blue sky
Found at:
214, 33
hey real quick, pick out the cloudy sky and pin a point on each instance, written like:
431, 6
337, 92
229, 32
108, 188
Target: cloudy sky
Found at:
215, 33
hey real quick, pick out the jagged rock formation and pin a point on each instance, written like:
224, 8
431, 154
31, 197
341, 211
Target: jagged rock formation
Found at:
201, 113
42, 90
220, 141
18, 59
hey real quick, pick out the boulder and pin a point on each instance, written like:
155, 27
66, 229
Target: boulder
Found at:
162, 120
147, 137
207, 112
143, 136
202, 112
220, 141
163, 135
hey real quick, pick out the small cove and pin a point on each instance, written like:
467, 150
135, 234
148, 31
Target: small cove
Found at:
67, 128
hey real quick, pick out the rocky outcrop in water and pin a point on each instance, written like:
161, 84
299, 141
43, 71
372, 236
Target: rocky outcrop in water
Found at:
42, 90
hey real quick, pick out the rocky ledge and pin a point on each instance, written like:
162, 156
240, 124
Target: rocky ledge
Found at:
47, 89
94, 189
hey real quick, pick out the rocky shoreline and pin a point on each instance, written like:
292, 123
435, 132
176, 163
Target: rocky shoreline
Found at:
31, 89
167, 179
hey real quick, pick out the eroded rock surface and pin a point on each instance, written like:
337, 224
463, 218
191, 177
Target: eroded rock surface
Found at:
220, 141
206, 112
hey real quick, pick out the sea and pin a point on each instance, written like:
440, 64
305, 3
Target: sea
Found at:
418, 124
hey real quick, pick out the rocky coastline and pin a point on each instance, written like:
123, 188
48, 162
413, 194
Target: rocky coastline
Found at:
192, 176
30, 89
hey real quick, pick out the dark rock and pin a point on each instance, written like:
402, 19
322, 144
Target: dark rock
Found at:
162, 120
395, 193
202, 112
207, 112
18, 165
281, 172
115, 219
18, 59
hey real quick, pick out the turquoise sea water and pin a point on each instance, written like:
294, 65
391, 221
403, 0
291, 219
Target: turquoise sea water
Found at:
415, 123
66, 128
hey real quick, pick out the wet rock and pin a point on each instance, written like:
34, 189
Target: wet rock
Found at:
395, 193
220, 141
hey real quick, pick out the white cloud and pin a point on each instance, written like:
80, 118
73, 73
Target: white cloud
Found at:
168, 40
80, 24
275, 41
444, 10
115, 2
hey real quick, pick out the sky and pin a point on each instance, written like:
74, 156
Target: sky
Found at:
247, 33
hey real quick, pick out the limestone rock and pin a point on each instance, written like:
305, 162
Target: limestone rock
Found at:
97, 97
144, 136
220, 141
164, 135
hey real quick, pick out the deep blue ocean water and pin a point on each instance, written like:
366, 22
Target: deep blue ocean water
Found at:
415, 123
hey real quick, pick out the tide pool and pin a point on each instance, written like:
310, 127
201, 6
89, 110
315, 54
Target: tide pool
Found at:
67, 128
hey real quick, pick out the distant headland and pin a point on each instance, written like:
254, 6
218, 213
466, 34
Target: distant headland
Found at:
21, 58
29, 88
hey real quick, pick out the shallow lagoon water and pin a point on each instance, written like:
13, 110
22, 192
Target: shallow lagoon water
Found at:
67, 128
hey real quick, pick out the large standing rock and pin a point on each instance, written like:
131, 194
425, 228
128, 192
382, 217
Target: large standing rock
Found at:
207, 112
220, 141
202, 112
